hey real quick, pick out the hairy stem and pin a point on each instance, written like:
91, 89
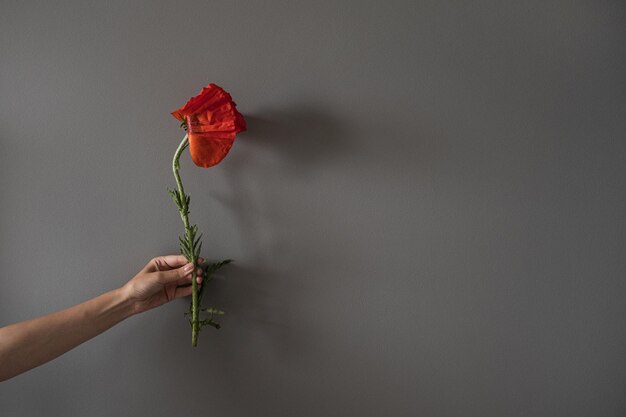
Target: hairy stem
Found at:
184, 215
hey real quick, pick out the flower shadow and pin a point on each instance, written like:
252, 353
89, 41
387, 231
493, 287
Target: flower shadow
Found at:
281, 150
302, 139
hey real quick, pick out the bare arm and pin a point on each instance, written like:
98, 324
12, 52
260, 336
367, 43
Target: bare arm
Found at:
31, 343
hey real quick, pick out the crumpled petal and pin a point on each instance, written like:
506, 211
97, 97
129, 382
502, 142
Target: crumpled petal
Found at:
212, 123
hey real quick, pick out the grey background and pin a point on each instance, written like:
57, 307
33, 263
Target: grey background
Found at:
427, 212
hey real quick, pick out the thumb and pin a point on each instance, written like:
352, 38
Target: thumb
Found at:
171, 276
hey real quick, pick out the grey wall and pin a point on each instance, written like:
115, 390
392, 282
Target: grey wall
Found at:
427, 212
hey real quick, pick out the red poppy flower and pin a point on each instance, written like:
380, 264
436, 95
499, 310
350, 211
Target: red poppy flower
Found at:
212, 122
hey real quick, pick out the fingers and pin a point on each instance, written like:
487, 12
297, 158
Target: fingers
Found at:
167, 262
184, 289
178, 276
174, 275
182, 292
186, 280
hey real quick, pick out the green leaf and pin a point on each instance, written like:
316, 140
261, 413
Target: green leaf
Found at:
175, 197
190, 234
213, 311
197, 240
183, 243
209, 322
184, 251
196, 251
211, 268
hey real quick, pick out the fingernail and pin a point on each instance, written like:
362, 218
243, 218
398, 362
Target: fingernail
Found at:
188, 268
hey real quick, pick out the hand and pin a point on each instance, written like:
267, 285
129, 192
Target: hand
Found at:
163, 279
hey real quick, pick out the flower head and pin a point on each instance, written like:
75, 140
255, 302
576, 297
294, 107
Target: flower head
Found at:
212, 121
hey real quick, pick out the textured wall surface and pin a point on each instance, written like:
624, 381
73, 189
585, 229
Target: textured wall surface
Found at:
426, 213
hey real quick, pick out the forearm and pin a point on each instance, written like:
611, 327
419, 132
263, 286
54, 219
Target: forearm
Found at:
26, 345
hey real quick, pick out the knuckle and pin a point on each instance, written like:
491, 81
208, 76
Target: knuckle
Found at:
155, 263
160, 276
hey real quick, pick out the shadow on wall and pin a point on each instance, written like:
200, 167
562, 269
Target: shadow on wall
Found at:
265, 296
303, 138
278, 159
278, 334
296, 144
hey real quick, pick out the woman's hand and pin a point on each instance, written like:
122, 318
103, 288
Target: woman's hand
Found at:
163, 279
30, 343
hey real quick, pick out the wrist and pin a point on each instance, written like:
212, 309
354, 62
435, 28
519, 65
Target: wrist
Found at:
125, 300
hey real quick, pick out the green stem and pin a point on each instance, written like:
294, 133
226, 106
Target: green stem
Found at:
184, 215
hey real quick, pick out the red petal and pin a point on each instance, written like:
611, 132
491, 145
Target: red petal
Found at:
212, 123
206, 152
211, 96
